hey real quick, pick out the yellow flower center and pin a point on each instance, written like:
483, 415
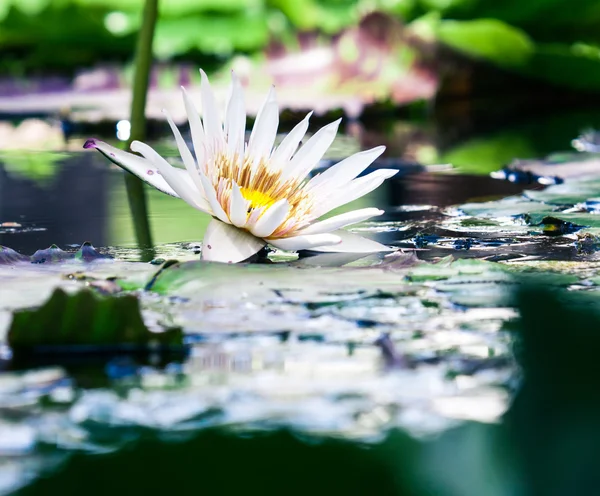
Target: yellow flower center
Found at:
256, 198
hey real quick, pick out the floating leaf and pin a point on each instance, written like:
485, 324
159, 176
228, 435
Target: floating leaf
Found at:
507, 207
87, 322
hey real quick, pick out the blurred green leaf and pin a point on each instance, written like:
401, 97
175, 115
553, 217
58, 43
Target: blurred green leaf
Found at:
210, 34
175, 8
576, 66
487, 39
32, 7
326, 15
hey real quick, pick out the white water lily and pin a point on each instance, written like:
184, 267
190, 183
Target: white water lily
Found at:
255, 192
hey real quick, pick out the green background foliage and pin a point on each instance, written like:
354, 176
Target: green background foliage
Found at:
545, 39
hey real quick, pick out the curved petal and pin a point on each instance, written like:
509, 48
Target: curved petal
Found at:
328, 259
271, 219
353, 243
136, 165
327, 200
238, 206
289, 144
308, 242
186, 154
311, 152
253, 218
265, 128
235, 119
185, 190
196, 128
339, 221
228, 244
210, 115
346, 170
211, 196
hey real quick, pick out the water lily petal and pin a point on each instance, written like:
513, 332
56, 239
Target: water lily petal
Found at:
308, 242
311, 152
289, 144
327, 201
210, 116
346, 170
211, 181
138, 166
353, 243
238, 207
183, 188
196, 128
235, 119
186, 155
228, 244
253, 217
271, 219
265, 128
211, 196
328, 259
339, 221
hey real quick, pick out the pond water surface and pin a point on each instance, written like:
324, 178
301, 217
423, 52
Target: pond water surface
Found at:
362, 349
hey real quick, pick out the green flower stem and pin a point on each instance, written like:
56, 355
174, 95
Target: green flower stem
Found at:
143, 60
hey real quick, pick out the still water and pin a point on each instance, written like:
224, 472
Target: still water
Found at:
290, 369
83, 198
62, 195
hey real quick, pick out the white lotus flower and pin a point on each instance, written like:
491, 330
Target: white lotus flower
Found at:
255, 192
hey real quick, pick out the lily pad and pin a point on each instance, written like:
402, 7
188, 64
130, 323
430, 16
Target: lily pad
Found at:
85, 321
508, 207
569, 193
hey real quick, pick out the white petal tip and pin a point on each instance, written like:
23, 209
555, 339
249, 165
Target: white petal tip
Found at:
272, 96
333, 126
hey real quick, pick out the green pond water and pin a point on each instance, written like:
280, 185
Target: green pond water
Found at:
403, 374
